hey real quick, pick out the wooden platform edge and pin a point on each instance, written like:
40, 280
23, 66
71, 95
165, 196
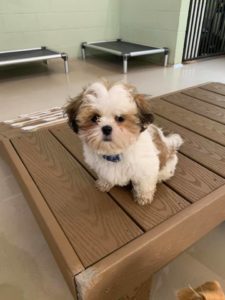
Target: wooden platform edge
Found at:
68, 261
113, 276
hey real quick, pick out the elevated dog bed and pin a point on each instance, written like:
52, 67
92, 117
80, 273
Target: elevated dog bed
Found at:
31, 55
124, 49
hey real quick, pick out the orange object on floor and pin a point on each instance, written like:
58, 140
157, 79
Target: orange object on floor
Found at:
207, 291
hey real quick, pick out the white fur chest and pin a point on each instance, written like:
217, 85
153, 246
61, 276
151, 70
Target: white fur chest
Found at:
137, 161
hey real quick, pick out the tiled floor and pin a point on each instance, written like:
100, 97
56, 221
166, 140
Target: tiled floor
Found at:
27, 268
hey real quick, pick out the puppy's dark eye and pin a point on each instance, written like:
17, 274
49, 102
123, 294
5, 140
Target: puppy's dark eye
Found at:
95, 118
119, 119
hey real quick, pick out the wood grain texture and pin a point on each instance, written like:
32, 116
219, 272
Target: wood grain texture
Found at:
7, 131
93, 223
201, 125
192, 180
197, 106
215, 87
132, 265
206, 96
166, 203
196, 147
63, 252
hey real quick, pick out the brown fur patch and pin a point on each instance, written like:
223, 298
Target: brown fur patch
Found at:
85, 115
131, 123
144, 110
71, 109
207, 291
107, 84
130, 88
143, 106
164, 152
91, 92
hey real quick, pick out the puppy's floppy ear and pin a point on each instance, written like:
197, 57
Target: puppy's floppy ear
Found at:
71, 109
144, 110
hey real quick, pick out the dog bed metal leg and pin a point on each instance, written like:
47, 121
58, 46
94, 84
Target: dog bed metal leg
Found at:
166, 60
166, 57
83, 51
66, 66
125, 64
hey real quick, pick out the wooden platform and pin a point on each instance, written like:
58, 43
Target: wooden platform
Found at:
107, 246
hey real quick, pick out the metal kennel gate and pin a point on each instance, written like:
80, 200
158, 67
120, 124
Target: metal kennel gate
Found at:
205, 33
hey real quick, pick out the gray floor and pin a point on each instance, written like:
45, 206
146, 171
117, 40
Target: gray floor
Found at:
27, 268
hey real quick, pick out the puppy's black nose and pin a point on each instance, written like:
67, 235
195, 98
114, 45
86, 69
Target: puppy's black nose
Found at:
107, 130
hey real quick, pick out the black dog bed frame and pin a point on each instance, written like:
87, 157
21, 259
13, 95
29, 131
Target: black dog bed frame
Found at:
124, 49
31, 55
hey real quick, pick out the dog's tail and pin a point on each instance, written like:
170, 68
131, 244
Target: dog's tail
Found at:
174, 141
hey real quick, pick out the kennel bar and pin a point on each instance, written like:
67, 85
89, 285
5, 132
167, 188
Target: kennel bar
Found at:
205, 29
124, 49
31, 55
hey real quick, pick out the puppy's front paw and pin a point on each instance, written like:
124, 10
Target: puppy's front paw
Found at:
103, 185
144, 198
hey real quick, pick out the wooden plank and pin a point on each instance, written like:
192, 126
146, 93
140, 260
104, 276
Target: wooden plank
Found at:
215, 87
206, 96
120, 274
7, 131
201, 125
197, 106
62, 250
87, 216
192, 180
198, 148
166, 203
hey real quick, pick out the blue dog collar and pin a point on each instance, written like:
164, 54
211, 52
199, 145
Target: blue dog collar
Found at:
112, 158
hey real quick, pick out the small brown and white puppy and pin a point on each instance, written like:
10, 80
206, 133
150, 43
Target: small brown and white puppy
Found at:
120, 143
207, 291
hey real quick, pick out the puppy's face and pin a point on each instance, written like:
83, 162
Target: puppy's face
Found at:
109, 118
